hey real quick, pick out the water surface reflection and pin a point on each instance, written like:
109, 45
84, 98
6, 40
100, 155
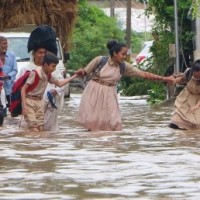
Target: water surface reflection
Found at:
147, 160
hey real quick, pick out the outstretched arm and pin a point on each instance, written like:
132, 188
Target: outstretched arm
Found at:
154, 77
63, 82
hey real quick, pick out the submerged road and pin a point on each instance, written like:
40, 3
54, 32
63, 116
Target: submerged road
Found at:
147, 160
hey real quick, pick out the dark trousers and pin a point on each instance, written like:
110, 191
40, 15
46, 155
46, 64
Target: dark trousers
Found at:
8, 100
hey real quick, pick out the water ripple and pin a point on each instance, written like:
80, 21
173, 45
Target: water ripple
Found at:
147, 160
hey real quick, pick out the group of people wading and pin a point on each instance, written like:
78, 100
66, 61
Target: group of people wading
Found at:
99, 107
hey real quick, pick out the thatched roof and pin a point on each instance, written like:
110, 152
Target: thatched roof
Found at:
58, 13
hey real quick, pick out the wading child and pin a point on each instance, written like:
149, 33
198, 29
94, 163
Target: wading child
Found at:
187, 105
50, 114
32, 102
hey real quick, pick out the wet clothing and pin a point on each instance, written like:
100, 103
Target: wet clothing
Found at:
2, 91
50, 114
1, 75
35, 112
187, 98
34, 99
10, 69
30, 66
42, 84
99, 108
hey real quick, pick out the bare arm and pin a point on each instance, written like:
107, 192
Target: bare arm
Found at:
23, 95
63, 82
89, 68
154, 77
81, 72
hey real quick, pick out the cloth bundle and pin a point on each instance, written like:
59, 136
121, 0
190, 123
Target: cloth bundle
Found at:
43, 37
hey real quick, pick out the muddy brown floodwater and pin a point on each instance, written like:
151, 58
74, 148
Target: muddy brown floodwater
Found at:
146, 161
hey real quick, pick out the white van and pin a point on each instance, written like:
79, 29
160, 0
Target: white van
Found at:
17, 43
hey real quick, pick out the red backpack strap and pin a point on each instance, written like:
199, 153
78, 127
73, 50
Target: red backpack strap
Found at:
33, 86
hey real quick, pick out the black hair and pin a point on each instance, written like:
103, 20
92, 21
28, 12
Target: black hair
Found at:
2, 38
50, 58
196, 66
114, 46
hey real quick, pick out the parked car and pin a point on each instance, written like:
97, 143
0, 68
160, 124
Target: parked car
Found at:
17, 43
142, 58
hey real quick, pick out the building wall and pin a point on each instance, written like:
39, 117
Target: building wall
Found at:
117, 3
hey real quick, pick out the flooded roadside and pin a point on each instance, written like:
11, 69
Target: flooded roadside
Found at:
147, 160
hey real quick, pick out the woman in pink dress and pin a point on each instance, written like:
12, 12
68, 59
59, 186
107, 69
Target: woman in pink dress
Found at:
99, 108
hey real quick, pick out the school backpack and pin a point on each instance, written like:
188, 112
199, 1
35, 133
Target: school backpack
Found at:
189, 74
103, 61
15, 107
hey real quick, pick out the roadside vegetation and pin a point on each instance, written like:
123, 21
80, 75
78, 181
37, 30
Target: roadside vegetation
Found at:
93, 29
164, 26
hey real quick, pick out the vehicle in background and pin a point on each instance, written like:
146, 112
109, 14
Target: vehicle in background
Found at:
143, 57
17, 43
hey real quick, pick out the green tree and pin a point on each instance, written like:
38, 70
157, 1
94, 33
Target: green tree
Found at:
92, 31
163, 10
164, 26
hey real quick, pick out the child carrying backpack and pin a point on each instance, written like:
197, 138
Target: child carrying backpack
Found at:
15, 107
32, 100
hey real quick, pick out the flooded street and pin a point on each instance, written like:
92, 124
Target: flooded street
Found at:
146, 161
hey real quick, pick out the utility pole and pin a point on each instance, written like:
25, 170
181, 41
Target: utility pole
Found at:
197, 41
128, 29
112, 8
177, 66
145, 21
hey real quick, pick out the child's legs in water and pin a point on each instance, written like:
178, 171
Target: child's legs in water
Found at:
40, 115
35, 114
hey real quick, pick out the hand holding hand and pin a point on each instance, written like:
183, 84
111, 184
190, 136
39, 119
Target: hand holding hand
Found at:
80, 72
174, 82
169, 79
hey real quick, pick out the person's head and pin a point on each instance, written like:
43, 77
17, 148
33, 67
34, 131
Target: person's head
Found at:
196, 69
38, 55
3, 44
118, 51
49, 63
